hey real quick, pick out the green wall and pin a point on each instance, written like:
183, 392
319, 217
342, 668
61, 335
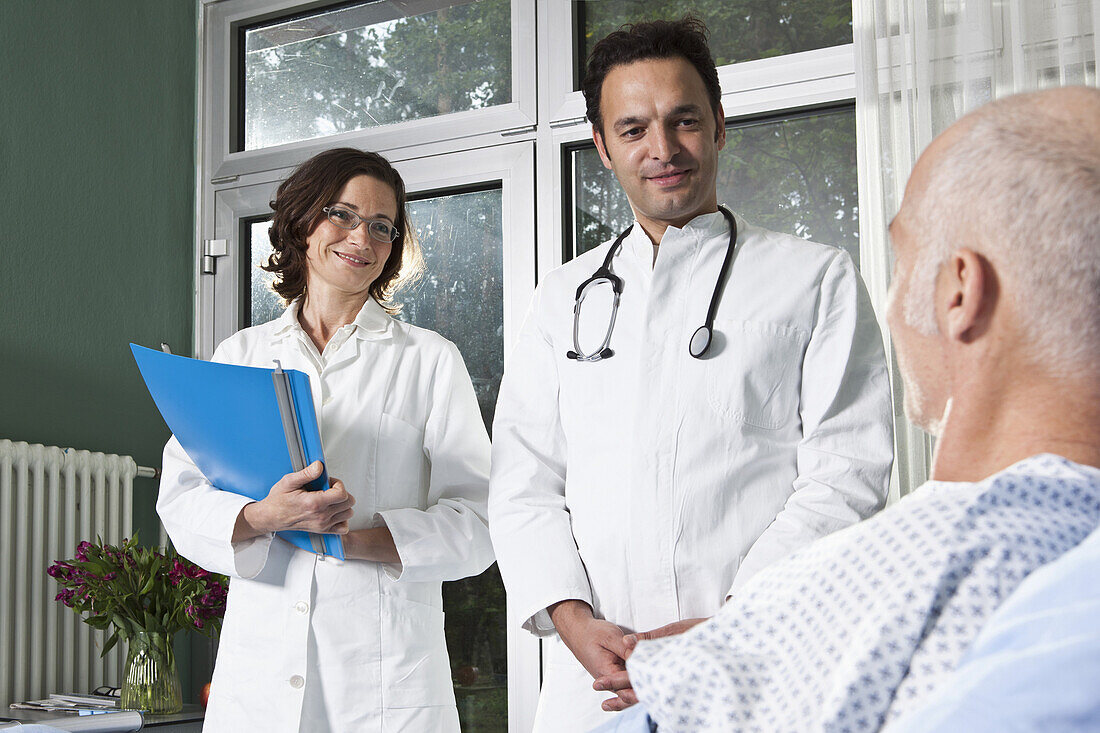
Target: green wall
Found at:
96, 218
97, 109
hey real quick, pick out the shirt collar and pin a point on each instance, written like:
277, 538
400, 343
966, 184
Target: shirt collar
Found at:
371, 323
703, 226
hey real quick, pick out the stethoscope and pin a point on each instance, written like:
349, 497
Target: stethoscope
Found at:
700, 340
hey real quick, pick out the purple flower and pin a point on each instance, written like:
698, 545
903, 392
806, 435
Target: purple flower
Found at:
82, 550
194, 571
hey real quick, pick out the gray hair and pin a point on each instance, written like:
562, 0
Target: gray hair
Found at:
1020, 185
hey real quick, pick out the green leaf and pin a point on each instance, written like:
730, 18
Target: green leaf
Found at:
120, 623
110, 644
98, 622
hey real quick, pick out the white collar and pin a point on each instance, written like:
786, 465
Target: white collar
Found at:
371, 323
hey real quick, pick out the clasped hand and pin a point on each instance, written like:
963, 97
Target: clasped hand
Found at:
603, 648
290, 506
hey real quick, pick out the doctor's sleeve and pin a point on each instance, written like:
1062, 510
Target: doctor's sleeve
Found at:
847, 446
528, 517
450, 539
200, 518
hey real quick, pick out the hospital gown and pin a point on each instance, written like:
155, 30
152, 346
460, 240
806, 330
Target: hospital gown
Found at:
859, 627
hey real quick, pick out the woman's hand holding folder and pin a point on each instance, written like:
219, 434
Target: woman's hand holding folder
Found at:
289, 505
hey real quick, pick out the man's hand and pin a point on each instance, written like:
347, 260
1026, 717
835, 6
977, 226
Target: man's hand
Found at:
597, 644
289, 506
619, 681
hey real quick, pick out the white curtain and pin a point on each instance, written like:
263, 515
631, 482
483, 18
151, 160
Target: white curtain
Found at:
920, 65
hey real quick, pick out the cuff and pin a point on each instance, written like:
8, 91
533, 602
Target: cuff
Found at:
249, 556
393, 571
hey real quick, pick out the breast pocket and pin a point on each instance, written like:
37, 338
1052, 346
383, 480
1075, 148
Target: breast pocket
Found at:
756, 377
402, 466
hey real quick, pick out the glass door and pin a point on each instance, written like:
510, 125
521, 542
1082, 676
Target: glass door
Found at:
467, 209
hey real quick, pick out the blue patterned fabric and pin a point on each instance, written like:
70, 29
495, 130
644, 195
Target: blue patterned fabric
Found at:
859, 627
1035, 666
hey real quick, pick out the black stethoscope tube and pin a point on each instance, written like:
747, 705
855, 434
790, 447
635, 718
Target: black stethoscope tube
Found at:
700, 340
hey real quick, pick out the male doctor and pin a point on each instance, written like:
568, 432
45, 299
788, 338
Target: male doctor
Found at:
685, 404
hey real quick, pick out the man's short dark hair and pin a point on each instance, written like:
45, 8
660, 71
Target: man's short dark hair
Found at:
658, 39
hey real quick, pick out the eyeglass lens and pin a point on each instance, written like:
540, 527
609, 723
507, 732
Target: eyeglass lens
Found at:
377, 228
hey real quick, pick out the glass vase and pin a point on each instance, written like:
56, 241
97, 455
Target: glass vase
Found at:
151, 682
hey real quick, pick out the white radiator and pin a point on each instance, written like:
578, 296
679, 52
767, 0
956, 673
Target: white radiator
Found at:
51, 499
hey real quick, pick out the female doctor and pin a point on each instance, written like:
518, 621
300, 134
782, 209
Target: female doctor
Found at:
313, 644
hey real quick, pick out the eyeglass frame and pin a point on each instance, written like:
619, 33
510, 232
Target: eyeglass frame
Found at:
393, 232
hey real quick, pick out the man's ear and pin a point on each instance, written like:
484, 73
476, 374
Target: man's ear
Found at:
968, 289
720, 127
600, 147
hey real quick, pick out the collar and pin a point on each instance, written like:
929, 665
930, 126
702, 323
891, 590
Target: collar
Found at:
701, 228
371, 323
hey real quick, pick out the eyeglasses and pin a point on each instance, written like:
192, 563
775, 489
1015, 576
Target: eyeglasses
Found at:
378, 229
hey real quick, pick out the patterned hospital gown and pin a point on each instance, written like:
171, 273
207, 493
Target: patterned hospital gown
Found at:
859, 627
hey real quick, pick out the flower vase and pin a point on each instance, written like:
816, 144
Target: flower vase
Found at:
151, 682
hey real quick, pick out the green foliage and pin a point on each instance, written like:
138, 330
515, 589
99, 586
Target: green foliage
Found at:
740, 30
461, 295
139, 589
352, 78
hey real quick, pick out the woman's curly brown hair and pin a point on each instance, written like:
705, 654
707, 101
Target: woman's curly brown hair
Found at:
314, 185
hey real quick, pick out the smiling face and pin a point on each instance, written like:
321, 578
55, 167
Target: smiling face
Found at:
345, 262
661, 138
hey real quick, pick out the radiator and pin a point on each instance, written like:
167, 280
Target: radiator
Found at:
51, 499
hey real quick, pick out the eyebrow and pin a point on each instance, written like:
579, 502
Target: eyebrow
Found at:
689, 108
355, 208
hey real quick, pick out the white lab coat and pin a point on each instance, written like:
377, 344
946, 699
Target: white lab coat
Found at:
653, 484
317, 645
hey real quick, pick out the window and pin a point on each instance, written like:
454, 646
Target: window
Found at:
794, 173
352, 68
468, 98
740, 30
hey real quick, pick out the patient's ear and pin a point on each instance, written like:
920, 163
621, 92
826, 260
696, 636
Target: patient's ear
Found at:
968, 293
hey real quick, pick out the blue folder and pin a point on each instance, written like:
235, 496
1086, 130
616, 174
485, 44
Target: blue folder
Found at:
229, 420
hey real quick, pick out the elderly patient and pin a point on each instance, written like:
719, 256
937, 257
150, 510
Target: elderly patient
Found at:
995, 313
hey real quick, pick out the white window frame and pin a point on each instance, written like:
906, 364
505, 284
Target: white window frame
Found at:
520, 143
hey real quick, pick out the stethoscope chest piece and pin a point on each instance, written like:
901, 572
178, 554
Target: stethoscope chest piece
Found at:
700, 342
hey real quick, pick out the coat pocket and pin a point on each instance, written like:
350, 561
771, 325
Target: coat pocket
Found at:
416, 671
756, 378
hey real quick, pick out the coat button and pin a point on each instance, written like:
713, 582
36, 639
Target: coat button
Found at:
297, 682
301, 607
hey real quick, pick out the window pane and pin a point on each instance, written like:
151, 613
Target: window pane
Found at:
462, 297
264, 304
369, 64
740, 30
794, 175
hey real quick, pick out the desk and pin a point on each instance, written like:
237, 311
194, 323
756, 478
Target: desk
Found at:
188, 720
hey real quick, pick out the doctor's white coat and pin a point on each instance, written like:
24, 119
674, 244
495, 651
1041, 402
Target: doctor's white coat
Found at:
317, 645
652, 484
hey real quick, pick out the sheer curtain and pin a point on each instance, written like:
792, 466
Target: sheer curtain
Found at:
920, 65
